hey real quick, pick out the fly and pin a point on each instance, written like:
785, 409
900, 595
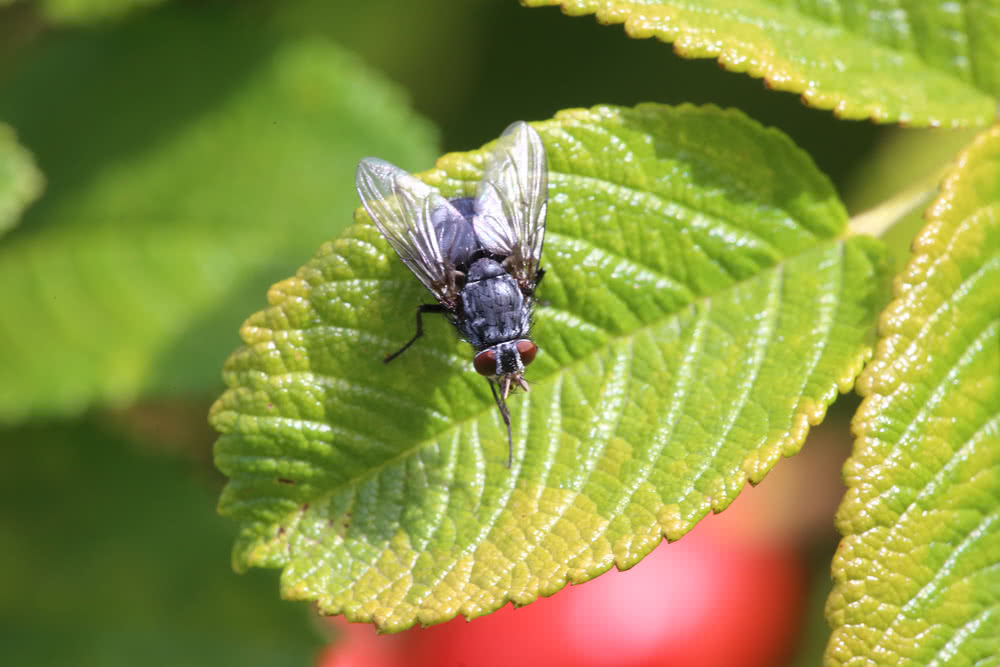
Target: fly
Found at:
479, 256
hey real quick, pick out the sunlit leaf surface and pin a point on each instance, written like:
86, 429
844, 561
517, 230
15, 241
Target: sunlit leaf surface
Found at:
924, 63
917, 576
701, 308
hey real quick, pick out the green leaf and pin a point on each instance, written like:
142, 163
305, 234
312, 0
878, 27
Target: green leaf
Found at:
916, 577
111, 557
917, 64
20, 180
213, 161
701, 309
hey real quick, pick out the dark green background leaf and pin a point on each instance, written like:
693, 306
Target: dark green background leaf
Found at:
916, 575
203, 158
701, 309
113, 557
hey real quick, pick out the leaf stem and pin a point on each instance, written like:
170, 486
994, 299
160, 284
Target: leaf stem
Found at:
876, 221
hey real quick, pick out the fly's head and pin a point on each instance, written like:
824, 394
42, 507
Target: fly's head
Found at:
504, 363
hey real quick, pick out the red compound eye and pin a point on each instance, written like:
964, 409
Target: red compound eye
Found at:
486, 363
527, 350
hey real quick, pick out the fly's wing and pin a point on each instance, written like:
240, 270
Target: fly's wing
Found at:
511, 202
402, 208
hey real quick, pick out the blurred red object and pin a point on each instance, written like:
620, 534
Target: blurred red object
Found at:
359, 646
706, 600
698, 602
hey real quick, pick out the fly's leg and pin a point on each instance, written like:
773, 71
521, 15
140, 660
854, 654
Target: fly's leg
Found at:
424, 308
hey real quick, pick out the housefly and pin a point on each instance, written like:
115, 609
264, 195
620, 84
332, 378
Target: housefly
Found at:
478, 256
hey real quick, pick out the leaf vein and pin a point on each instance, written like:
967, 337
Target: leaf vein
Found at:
763, 339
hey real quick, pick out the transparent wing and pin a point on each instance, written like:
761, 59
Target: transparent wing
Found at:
403, 209
512, 200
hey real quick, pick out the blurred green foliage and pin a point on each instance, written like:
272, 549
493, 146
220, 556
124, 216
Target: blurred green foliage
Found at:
114, 556
20, 181
86, 12
189, 174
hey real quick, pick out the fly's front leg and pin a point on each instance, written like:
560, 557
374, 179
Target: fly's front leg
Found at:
424, 308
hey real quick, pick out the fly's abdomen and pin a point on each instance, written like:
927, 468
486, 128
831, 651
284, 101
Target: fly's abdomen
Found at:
492, 305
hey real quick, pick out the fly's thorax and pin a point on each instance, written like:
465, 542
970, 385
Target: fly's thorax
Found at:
484, 269
506, 358
493, 309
